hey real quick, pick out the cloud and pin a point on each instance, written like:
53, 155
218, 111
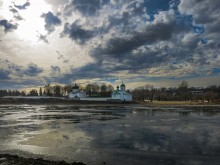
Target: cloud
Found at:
84, 7
50, 21
60, 56
22, 7
77, 33
13, 10
32, 70
55, 70
8, 26
16, 14
203, 12
126, 50
119, 38
4, 75
15, 71
43, 38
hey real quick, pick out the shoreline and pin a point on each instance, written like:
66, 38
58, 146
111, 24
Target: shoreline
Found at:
19, 160
179, 103
58, 101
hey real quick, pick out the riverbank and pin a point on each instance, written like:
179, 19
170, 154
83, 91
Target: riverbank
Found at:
179, 103
6, 159
57, 101
65, 101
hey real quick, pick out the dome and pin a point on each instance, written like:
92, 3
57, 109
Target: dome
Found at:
122, 85
75, 87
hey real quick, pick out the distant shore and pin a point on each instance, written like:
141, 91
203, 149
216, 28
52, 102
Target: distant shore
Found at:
179, 103
73, 102
56, 101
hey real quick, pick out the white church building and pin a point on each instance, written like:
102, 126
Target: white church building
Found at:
76, 93
121, 94
118, 94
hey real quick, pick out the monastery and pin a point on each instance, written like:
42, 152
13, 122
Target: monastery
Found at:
119, 94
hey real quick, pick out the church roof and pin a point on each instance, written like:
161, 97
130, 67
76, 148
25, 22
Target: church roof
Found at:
116, 92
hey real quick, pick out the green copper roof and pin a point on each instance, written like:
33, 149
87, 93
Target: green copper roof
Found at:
116, 92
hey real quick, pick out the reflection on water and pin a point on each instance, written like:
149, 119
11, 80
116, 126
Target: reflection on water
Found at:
114, 134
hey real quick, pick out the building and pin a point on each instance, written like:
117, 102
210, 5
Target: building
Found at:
121, 94
76, 93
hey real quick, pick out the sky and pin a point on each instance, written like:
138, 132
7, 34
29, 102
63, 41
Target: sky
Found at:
138, 42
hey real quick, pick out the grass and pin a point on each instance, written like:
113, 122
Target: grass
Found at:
177, 103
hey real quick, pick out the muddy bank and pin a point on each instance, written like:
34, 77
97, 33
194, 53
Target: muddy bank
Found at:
6, 159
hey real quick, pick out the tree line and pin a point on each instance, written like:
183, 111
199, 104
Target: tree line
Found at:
92, 90
181, 93
145, 93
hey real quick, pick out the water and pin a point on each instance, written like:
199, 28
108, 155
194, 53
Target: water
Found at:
106, 134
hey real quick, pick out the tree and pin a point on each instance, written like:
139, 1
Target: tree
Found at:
183, 90
67, 88
33, 92
103, 89
92, 89
184, 85
57, 90
110, 88
23, 93
48, 88
3, 93
40, 92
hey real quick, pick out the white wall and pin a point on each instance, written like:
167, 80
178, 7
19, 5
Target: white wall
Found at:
95, 98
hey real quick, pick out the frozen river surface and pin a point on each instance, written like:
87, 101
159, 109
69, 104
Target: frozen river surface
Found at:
114, 135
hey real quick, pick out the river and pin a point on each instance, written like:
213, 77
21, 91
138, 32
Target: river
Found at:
113, 134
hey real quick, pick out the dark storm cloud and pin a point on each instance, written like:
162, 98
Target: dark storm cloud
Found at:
51, 21
22, 7
32, 70
119, 48
117, 51
21, 84
77, 33
8, 26
205, 17
91, 70
15, 71
203, 12
84, 7
4, 75
129, 35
